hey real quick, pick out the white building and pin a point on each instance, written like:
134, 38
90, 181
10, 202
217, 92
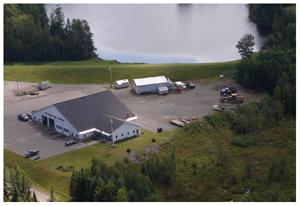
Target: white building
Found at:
97, 114
122, 84
151, 84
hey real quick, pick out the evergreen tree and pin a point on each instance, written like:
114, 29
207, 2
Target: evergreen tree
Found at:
246, 45
34, 197
122, 195
52, 191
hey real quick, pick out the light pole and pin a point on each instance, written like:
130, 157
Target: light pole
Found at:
110, 71
17, 82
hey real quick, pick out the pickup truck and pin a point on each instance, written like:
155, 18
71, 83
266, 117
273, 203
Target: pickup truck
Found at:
31, 153
190, 85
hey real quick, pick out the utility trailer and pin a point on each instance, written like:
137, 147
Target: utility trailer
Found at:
217, 108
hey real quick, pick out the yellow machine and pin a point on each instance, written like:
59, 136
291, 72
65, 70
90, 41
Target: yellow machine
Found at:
233, 98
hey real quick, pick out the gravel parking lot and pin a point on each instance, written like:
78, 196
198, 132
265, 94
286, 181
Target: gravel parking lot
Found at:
153, 111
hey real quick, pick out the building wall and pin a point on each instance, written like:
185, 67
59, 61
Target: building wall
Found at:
125, 131
60, 124
150, 87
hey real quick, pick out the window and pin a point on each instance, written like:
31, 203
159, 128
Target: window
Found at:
133, 131
116, 136
66, 130
127, 133
122, 135
58, 127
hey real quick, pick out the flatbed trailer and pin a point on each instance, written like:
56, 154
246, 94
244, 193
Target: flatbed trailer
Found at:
176, 122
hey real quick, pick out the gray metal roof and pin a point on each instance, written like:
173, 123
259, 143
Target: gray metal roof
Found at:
95, 111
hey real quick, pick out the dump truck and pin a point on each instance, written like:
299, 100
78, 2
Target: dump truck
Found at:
234, 98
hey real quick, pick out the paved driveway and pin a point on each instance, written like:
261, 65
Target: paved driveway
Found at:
153, 111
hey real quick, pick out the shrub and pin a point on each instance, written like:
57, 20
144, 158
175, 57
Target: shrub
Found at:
126, 160
243, 141
153, 140
128, 150
65, 168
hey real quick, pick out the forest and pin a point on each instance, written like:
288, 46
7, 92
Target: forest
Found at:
245, 156
273, 69
30, 36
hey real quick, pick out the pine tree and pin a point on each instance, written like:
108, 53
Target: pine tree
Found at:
52, 191
122, 195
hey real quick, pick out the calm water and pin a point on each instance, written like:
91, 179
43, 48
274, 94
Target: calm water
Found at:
165, 33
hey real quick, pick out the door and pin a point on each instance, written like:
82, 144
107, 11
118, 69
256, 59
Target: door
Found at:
44, 120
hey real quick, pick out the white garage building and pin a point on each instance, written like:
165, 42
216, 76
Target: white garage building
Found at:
97, 114
152, 85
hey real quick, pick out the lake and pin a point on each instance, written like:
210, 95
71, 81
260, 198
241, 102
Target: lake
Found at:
165, 33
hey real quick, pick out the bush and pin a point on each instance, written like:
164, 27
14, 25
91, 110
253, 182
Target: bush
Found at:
243, 141
65, 168
128, 150
153, 140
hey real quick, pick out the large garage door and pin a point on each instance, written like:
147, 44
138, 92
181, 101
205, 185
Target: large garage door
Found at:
51, 123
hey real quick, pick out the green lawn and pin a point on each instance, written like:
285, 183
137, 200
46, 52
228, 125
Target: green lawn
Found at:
94, 72
44, 172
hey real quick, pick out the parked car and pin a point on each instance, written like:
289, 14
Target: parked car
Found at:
29, 115
31, 153
69, 143
23, 117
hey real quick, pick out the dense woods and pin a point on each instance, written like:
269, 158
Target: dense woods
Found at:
17, 186
30, 36
273, 69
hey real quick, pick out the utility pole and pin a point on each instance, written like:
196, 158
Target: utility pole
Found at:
110, 71
112, 129
17, 82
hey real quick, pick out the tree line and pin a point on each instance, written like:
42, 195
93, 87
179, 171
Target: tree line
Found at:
122, 182
273, 69
17, 187
30, 36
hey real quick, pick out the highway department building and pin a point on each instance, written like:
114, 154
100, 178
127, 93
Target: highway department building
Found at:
85, 117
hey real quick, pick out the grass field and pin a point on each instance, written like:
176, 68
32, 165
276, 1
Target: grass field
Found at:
204, 146
96, 72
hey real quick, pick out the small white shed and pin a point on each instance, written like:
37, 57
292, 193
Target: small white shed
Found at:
121, 83
44, 85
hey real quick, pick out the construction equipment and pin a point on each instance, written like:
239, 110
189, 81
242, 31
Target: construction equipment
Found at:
228, 91
233, 98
